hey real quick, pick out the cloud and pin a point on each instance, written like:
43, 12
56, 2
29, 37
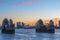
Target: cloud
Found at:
23, 2
27, 2
18, 2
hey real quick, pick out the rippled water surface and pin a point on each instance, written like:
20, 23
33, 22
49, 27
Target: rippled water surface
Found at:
30, 34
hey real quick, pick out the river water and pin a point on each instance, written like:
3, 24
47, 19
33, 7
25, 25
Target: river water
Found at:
30, 34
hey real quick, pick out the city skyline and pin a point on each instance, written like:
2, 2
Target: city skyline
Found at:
33, 23
29, 11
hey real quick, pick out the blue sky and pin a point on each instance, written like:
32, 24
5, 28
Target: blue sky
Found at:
30, 9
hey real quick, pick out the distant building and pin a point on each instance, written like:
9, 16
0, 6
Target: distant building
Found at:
10, 22
5, 23
55, 22
39, 23
51, 24
11, 25
19, 25
23, 24
8, 26
40, 26
59, 23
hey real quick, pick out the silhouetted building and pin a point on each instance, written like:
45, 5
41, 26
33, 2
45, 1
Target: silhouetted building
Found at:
5, 23
39, 23
10, 22
19, 25
58, 27
8, 26
40, 27
59, 23
23, 24
51, 24
11, 25
51, 28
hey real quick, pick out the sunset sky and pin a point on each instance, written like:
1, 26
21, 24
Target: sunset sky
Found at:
29, 11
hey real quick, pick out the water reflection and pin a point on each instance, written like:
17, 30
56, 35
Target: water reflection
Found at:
7, 36
30, 35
